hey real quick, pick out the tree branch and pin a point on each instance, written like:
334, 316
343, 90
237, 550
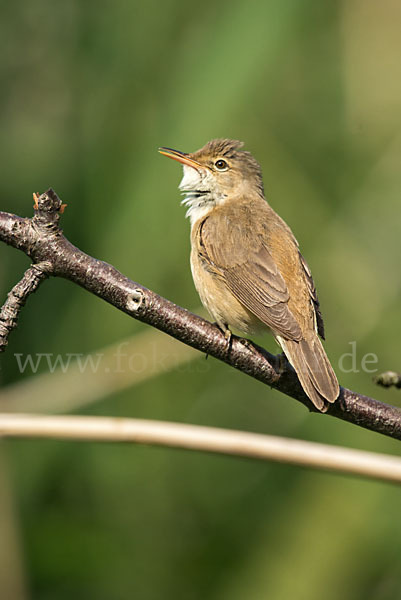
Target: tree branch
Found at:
205, 439
388, 379
16, 299
42, 240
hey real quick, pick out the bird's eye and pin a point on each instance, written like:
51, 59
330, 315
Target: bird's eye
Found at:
221, 165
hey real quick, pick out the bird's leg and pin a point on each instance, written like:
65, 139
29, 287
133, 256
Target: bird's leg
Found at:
227, 334
282, 362
224, 328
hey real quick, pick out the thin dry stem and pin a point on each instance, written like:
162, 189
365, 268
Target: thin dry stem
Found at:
205, 439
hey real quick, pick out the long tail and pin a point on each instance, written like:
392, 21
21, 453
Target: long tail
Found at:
313, 368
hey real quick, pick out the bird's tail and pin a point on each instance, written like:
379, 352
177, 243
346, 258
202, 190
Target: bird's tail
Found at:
313, 368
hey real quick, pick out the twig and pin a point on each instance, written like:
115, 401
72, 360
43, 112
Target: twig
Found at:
388, 379
16, 299
42, 240
205, 439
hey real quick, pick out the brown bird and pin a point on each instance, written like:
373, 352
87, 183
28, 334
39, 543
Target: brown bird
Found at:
246, 262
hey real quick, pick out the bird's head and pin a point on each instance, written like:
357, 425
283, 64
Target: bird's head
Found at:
217, 173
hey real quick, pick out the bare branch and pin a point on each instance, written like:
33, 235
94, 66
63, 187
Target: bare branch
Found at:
388, 379
16, 299
42, 240
205, 439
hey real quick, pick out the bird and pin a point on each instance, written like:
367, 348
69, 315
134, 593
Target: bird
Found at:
246, 263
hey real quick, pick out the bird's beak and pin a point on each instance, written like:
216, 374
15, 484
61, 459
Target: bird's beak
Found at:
181, 157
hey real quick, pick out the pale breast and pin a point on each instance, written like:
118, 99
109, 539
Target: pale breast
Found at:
218, 300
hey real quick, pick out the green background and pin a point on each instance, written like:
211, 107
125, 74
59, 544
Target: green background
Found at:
89, 91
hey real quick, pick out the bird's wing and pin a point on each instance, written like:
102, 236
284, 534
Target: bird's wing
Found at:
313, 295
249, 271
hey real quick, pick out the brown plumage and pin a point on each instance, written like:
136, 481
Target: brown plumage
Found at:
246, 263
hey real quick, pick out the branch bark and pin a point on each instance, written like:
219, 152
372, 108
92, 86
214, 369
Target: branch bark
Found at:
16, 299
43, 241
205, 439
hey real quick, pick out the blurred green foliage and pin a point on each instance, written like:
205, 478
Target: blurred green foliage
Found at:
89, 90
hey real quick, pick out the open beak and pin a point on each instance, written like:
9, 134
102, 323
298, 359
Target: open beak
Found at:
181, 157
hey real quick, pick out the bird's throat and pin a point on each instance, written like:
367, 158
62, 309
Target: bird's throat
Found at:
197, 189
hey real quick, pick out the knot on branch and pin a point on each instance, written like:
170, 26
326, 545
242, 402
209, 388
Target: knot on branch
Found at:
48, 208
135, 300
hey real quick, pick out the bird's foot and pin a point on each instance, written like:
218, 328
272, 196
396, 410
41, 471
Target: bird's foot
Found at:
225, 330
281, 363
228, 336
248, 344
